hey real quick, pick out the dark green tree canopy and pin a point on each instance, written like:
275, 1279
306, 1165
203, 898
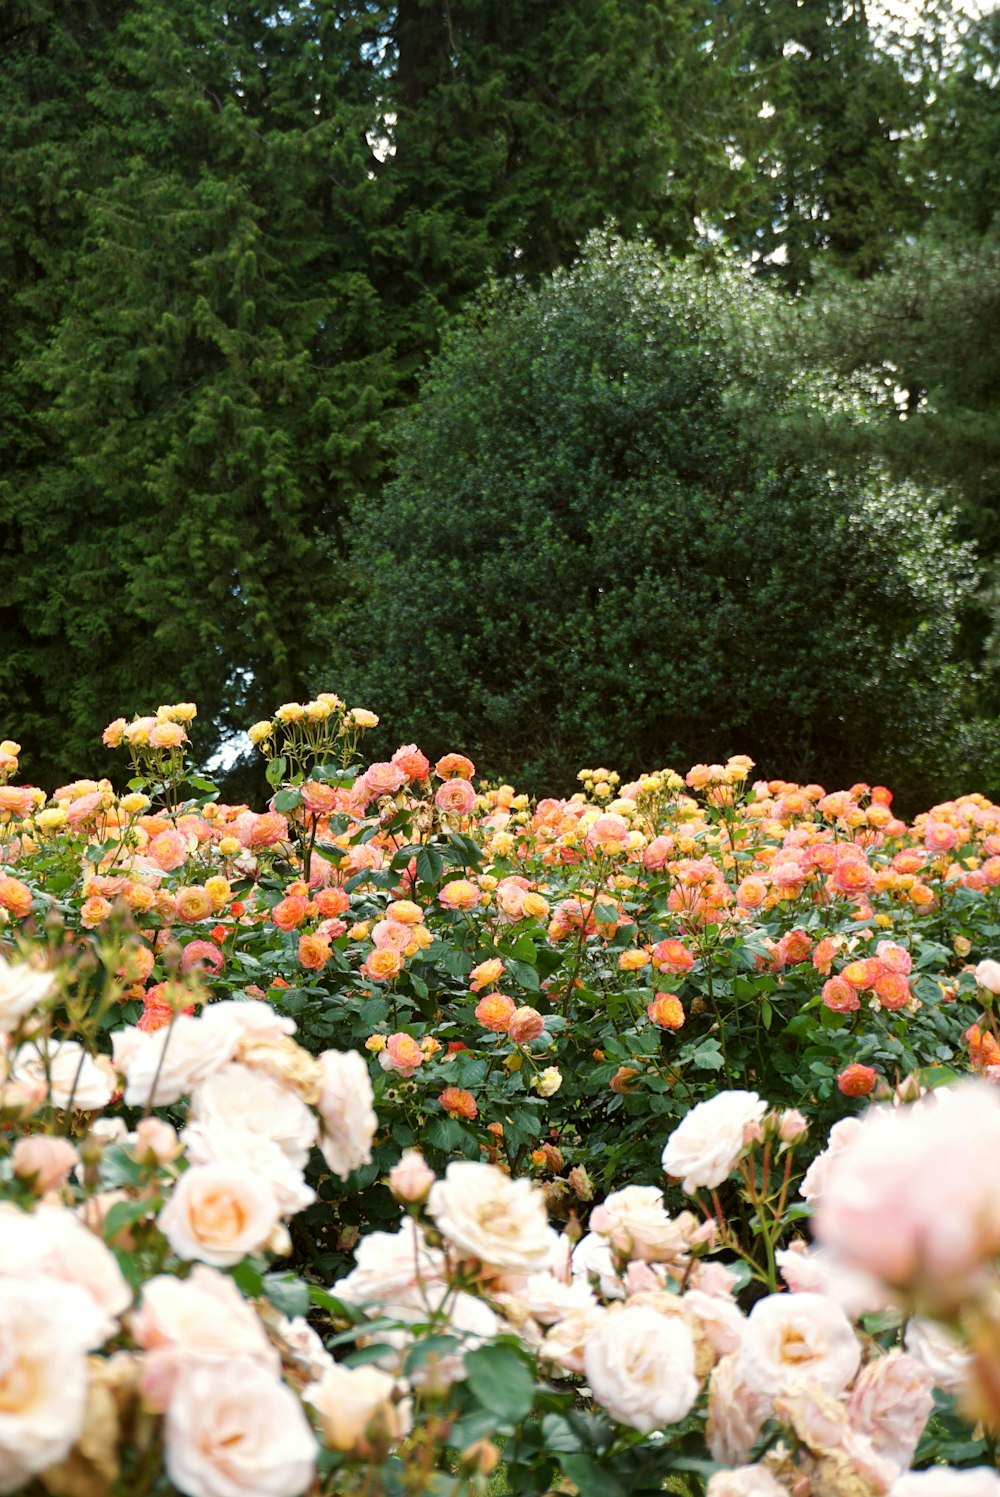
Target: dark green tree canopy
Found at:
591, 551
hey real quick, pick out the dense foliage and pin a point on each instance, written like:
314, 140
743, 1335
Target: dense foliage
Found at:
231, 238
595, 547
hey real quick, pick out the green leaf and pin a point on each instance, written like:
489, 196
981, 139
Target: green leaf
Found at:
287, 800
590, 1479
502, 1381
287, 1294
127, 1213
430, 865
275, 771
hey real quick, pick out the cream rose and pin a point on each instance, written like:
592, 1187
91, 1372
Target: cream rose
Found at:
388, 1265
636, 1224
22, 989
52, 1241
43, 1376
736, 1412
941, 1352
943, 1481
910, 1202
239, 1149
353, 1402
162, 1067
487, 1215
798, 1338
640, 1367
236, 1431
203, 1318
891, 1402
566, 1342
347, 1112
707, 1145
238, 1098
747, 1481
70, 1077
218, 1214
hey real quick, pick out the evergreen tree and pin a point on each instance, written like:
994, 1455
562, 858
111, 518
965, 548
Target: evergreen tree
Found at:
235, 231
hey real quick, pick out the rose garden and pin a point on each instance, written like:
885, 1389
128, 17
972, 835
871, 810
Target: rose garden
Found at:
410, 1135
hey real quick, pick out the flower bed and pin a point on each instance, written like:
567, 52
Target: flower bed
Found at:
519, 1098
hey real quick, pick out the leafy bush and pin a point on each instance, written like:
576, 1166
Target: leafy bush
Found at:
591, 551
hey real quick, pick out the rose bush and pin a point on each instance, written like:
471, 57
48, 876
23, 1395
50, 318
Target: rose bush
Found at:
521, 1216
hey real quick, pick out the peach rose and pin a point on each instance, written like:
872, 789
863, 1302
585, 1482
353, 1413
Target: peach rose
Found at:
45, 1163
707, 1145
459, 1103
640, 1367
454, 764
236, 1431
347, 1113
401, 1054
666, 1011
486, 1215
495, 1011
218, 1214
795, 1338
460, 894
357, 1402
525, 1025
203, 1318
412, 762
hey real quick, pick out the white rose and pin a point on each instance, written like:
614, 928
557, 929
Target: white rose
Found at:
566, 1342
251, 1016
217, 1214
240, 1149
52, 1241
988, 976
943, 1481
736, 1412
162, 1067
203, 1318
640, 1367
707, 1145
548, 1299
891, 1402
238, 1098
302, 1347
43, 1376
346, 1108
351, 1400
814, 1179
636, 1224
594, 1260
747, 1481
942, 1353
68, 1074
22, 989
235, 1431
796, 1338
487, 1215
721, 1319
469, 1319
388, 1265
818, 1271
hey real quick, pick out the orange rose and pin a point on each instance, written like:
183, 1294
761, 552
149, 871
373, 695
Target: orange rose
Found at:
383, 964
857, 1080
495, 1012
16, 897
666, 1011
314, 952
458, 1103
